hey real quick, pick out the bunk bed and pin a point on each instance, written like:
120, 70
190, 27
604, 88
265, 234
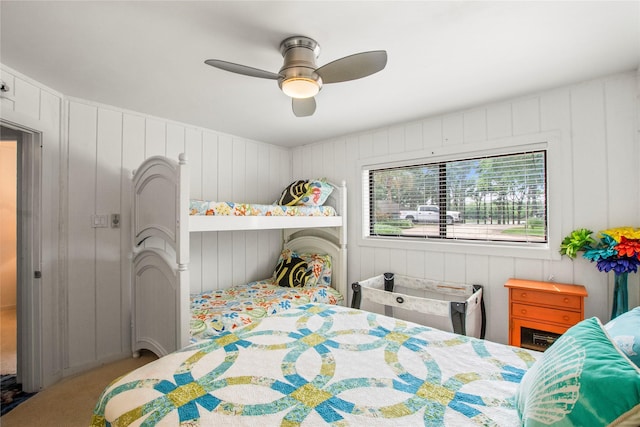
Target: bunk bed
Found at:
163, 306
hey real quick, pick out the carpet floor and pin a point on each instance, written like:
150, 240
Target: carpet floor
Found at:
70, 402
11, 393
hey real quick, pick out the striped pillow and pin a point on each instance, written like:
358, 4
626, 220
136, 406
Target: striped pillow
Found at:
293, 193
292, 272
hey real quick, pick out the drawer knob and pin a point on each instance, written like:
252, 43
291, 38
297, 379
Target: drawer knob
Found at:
566, 318
523, 295
566, 300
523, 311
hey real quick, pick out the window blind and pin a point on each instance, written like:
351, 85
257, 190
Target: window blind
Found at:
489, 198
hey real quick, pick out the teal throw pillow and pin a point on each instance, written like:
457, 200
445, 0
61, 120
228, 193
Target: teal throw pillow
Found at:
583, 379
625, 331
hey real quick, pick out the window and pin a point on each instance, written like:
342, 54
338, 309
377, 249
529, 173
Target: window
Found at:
499, 198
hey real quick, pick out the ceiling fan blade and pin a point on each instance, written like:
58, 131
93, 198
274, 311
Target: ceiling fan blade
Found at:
303, 107
353, 67
242, 69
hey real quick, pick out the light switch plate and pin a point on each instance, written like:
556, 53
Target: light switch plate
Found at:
100, 221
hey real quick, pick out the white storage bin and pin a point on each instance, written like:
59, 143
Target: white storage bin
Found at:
451, 307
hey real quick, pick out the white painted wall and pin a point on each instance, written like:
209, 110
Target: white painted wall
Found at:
85, 284
86, 271
594, 180
105, 145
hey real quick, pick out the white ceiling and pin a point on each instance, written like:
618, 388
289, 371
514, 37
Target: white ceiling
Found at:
147, 56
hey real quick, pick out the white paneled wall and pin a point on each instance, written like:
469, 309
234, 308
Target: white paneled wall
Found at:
105, 146
34, 107
595, 185
87, 171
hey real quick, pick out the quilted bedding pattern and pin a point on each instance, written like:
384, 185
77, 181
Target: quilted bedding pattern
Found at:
204, 207
214, 312
321, 364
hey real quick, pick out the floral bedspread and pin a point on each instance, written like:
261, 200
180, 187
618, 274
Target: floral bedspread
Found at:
322, 364
224, 310
204, 207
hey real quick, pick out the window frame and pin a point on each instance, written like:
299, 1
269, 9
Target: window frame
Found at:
513, 145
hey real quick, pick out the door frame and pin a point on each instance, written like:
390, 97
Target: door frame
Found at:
29, 254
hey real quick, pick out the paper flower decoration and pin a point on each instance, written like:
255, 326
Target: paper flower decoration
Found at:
618, 248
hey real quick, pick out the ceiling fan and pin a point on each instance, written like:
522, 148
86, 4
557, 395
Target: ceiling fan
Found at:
301, 79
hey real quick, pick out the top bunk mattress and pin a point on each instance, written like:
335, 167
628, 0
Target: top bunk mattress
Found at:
214, 208
162, 209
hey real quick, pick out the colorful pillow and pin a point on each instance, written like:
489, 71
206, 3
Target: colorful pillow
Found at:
292, 272
317, 194
293, 193
625, 331
319, 266
583, 379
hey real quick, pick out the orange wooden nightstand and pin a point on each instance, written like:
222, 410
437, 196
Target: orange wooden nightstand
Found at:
539, 312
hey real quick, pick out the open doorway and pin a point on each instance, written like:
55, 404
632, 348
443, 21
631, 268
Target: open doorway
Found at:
8, 252
20, 243
10, 385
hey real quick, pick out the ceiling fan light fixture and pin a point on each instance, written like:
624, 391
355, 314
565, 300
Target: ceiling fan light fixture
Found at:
300, 87
301, 79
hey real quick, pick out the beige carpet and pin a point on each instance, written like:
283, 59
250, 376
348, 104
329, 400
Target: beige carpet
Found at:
70, 402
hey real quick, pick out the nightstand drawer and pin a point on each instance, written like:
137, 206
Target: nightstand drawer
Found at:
541, 309
545, 314
545, 298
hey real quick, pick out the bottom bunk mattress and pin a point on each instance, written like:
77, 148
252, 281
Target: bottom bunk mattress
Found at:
321, 364
223, 310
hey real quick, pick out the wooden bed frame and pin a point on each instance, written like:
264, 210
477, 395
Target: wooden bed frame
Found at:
160, 282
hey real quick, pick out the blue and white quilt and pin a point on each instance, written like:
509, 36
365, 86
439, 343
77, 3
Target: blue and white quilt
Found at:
320, 364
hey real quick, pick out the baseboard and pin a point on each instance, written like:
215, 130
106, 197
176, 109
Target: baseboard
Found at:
67, 372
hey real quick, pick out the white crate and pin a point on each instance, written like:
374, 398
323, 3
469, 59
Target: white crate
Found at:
452, 307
